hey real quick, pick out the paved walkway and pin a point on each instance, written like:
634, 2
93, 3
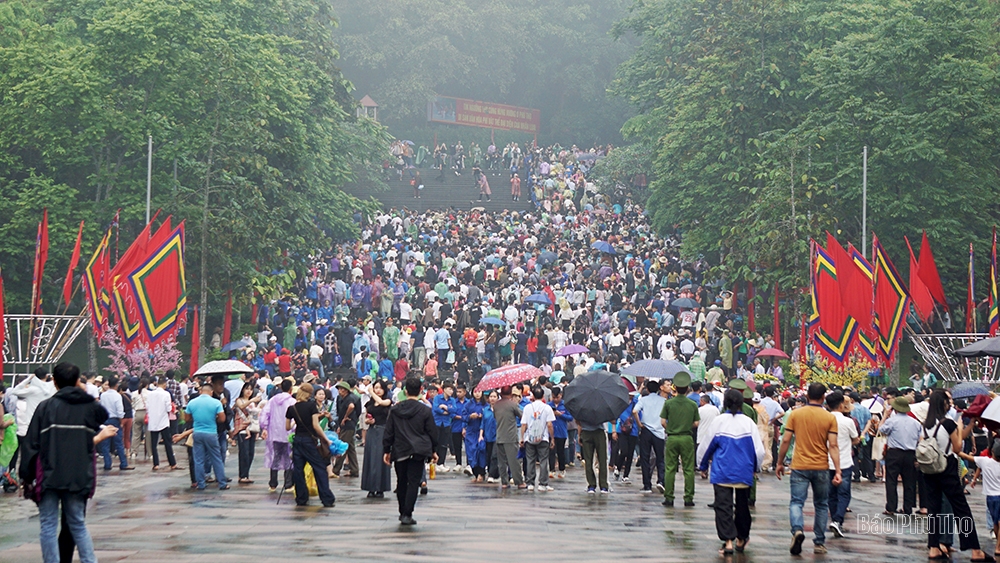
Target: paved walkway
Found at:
141, 516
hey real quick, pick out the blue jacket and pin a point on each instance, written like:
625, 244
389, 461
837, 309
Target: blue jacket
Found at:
441, 418
458, 412
385, 369
734, 447
489, 425
627, 414
562, 417
472, 425
364, 367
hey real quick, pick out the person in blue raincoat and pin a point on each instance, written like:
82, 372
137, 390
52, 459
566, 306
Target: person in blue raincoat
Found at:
475, 447
559, 432
461, 402
489, 432
627, 436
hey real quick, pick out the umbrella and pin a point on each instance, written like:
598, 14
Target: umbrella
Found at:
685, 303
689, 287
772, 352
968, 389
596, 397
547, 257
656, 369
508, 375
492, 321
980, 348
409, 143
223, 367
572, 349
603, 246
539, 298
235, 345
479, 209
991, 414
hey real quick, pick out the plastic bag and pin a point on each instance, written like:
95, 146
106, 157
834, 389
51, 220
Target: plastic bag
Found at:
311, 481
8, 444
338, 447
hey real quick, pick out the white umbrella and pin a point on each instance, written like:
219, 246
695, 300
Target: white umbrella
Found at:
992, 411
223, 367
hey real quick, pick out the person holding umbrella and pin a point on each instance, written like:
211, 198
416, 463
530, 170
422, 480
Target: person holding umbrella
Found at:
679, 418
734, 448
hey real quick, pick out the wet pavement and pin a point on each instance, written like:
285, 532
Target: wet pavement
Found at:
140, 516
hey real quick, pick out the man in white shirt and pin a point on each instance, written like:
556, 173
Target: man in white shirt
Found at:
537, 437
707, 413
652, 435
158, 405
847, 436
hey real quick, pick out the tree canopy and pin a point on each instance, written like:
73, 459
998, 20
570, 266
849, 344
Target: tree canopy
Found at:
252, 123
759, 112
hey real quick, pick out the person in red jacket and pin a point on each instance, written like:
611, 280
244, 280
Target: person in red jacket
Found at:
284, 363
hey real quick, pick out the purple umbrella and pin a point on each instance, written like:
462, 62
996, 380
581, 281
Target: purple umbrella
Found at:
572, 349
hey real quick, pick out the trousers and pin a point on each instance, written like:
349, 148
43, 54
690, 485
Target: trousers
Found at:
409, 473
507, 461
537, 453
732, 524
899, 463
595, 443
651, 450
679, 447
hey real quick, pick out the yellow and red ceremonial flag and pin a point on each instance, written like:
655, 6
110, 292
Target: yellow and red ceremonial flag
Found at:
835, 329
158, 285
891, 303
123, 302
994, 317
95, 285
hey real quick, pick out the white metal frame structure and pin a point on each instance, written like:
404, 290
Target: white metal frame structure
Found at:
33, 340
937, 350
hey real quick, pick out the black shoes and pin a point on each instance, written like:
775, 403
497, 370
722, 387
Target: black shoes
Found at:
689, 503
407, 521
669, 503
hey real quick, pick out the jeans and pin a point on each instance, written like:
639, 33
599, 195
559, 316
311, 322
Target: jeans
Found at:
840, 495
73, 506
537, 453
206, 451
117, 443
801, 481
246, 442
168, 444
649, 446
304, 451
409, 472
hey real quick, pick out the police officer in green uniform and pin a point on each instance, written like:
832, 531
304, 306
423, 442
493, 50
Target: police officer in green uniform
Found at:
679, 417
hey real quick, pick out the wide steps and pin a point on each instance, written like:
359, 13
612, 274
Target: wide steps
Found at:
451, 191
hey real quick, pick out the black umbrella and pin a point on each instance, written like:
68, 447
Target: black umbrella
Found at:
980, 348
684, 303
596, 397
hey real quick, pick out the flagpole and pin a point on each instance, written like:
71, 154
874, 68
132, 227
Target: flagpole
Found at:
864, 198
149, 176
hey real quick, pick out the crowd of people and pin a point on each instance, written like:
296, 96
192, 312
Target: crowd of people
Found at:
383, 342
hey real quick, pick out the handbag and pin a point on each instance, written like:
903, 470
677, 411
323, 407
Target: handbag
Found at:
324, 452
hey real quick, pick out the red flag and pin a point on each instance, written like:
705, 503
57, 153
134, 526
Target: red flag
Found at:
195, 342
41, 255
929, 273
776, 331
95, 284
891, 303
253, 314
73, 261
855, 286
921, 296
227, 319
970, 297
751, 309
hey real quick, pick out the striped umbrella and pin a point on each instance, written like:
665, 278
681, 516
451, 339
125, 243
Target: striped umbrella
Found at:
508, 375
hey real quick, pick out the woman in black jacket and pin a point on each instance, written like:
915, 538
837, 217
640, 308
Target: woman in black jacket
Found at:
410, 440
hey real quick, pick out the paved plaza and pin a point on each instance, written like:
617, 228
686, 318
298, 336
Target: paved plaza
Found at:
140, 516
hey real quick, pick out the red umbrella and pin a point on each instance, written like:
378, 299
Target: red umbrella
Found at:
508, 375
772, 352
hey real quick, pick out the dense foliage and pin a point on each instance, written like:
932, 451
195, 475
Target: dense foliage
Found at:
759, 110
253, 125
555, 55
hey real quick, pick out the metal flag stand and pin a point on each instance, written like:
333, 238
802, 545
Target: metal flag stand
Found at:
937, 350
34, 340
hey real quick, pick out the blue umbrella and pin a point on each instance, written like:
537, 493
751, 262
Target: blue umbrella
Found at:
492, 321
539, 298
547, 257
236, 345
604, 246
968, 389
655, 369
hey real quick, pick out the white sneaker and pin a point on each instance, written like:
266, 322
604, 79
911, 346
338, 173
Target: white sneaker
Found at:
617, 475
443, 469
491, 480
837, 530
659, 488
468, 470
546, 489
531, 488
626, 480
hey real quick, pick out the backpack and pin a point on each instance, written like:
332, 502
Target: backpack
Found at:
930, 459
536, 429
